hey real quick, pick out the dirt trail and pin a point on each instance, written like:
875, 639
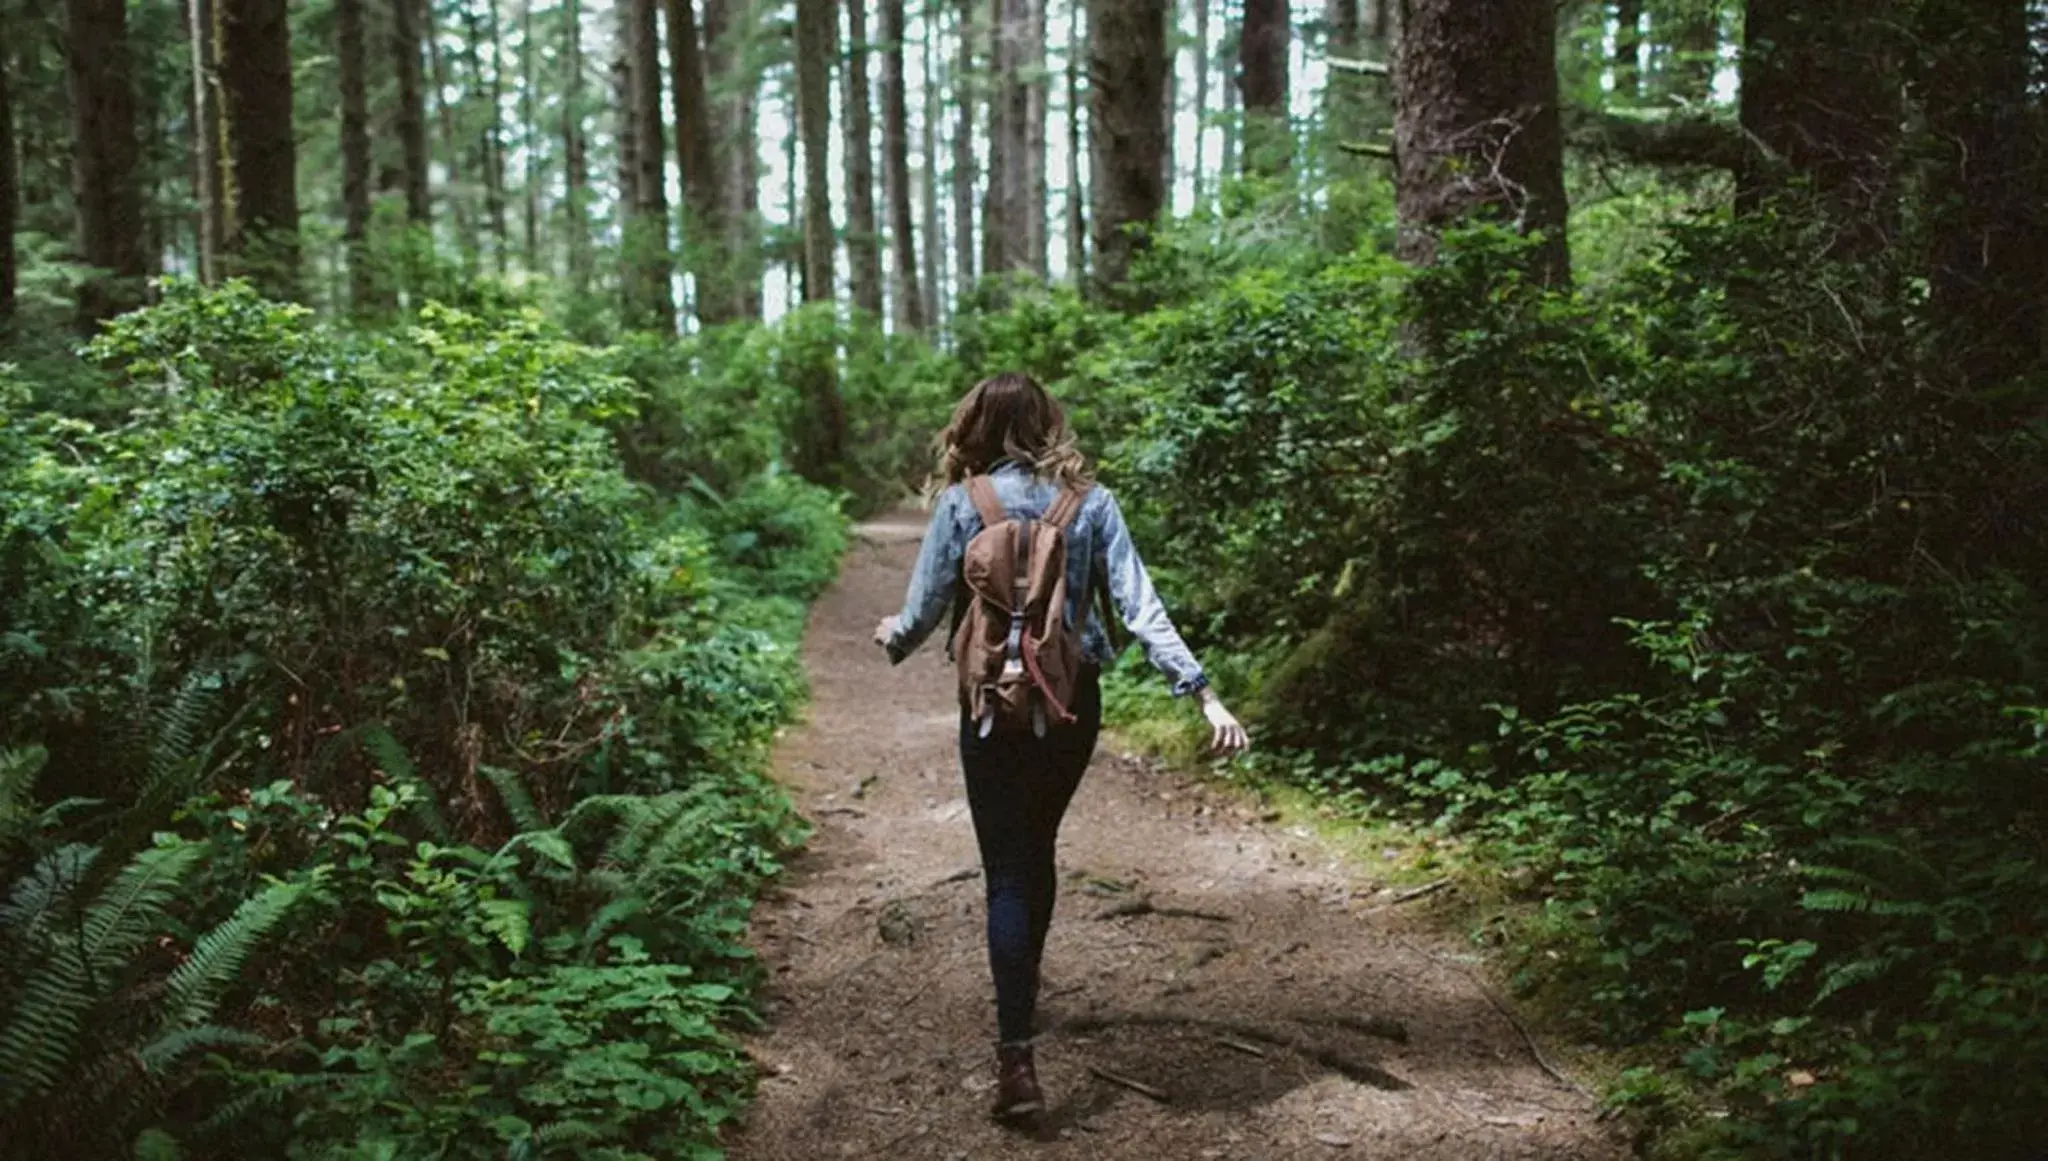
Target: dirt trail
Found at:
1271, 1014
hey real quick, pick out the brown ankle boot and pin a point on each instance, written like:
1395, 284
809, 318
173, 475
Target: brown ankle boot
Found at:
1017, 1094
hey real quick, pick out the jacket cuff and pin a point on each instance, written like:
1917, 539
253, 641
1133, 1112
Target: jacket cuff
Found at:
1191, 685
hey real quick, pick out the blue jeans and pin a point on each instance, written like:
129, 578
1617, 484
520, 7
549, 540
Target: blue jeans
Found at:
1018, 787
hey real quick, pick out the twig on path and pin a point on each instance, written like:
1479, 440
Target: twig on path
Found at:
959, 876
1536, 1052
1422, 892
1241, 1046
850, 811
1137, 1086
1334, 1059
1147, 907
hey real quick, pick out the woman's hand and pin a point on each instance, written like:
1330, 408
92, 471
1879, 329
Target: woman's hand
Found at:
1228, 736
886, 631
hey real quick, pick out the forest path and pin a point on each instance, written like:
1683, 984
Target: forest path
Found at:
1264, 1026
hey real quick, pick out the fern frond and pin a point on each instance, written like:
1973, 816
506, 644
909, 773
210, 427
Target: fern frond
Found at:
608, 918
178, 743
18, 772
39, 895
43, 1030
132, 909
274, 1089
518, 803
161, 1055
1848, 975
1836, 902
397, 765
217, 958
156, 1145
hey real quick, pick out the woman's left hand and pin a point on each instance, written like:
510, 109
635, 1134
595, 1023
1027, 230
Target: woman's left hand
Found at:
1228, 736
886, 631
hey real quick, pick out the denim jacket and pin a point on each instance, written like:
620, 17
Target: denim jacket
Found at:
1098, 533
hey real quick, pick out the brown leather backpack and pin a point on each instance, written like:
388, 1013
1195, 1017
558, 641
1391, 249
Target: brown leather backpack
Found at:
1020, 661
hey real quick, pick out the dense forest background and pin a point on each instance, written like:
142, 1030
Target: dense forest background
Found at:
1609, 433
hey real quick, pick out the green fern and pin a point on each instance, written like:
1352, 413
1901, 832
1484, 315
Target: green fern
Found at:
397, 765
18, 772
217, 958
518, 803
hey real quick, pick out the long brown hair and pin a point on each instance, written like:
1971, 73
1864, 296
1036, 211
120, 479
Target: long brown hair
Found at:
1010, 416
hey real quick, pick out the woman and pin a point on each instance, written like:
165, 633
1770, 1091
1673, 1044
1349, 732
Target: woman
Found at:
1019, 782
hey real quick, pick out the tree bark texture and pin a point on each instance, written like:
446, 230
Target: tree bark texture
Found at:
529, 132
1037, 89
1262, 79
1005, 238
575, 150
704, 232
934, 112
1477, 127
209, 137
964, 166
863, 238
652, 302
1984, 154
412, 112
9, 195
352, 59
1077, 214
909, 296
256, 78
1820, 91
491, 136
1127, 84
816, 37
728, 27
1200, 161
106, 187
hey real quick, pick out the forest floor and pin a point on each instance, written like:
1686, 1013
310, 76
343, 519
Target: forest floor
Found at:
1216, 985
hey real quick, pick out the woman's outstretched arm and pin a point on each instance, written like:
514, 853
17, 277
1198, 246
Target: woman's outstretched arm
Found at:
932, 582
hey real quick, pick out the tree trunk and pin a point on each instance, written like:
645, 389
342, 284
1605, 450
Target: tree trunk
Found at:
816, 36
1820, 92
1263, 45
9, 198
209, 141
256, 75
909, 297
1005, 238
1200, 170
1233, 123
529, 133
451, 141
352, 61
106, 189
704, 231
652, 302
1077, 214
575, 150
491, 138
964, 168
863, 238
734, 113
1127, 71
1170, 109
1628, 51
412, 116
1986, 158
1037, 89
1477, 130
934, 109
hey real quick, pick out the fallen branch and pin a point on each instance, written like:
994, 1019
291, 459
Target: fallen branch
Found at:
1147, 907
1137, 1086
1422, 892
1334, 1059
1241, 1046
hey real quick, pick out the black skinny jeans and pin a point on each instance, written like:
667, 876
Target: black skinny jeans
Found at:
1018, 787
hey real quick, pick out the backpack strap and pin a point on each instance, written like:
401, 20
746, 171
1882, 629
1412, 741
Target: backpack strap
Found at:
986, 502
1065, 508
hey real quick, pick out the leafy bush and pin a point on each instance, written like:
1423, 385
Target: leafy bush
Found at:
492, 772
